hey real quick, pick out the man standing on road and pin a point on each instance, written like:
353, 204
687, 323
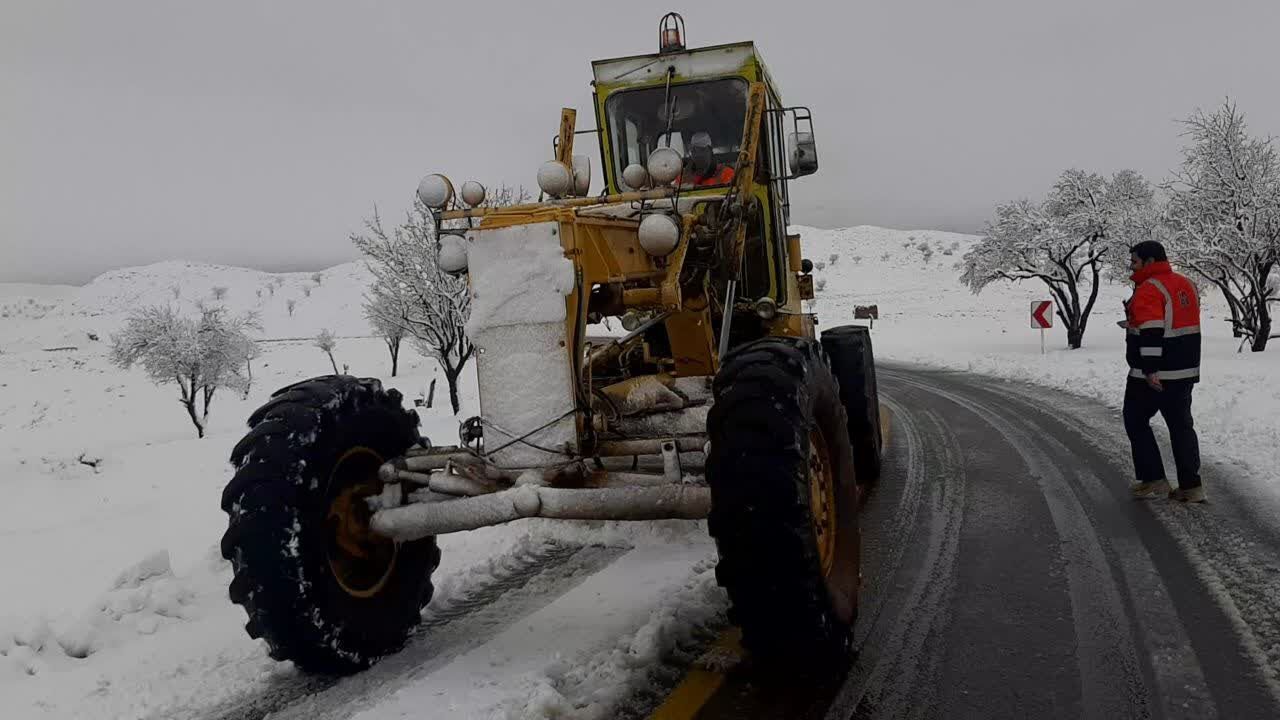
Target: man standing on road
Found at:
1163, 351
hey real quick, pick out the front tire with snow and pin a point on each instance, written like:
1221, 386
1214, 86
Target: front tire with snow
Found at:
319, 587
784, 500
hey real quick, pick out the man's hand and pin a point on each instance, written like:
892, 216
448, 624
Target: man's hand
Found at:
1153, 381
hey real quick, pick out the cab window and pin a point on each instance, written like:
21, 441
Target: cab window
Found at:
645, 119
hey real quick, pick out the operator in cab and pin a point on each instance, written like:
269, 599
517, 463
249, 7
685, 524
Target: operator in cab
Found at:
701, 168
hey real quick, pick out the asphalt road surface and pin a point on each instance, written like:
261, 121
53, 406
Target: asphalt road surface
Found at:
1007, 574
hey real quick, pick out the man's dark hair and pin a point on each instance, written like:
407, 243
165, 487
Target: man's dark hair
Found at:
1149, 250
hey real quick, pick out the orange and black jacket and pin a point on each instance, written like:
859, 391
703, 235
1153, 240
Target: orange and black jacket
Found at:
719, 175
1164, 326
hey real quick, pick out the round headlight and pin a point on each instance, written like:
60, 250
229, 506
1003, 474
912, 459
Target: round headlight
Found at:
472, 193
435, 191
453, 254
766, 308
555, 178
635, 176
631, 321
664, 165
581, 175
659, 235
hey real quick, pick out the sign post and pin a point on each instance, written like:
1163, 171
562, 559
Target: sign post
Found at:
1042, 318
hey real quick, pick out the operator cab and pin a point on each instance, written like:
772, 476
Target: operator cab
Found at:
695, 102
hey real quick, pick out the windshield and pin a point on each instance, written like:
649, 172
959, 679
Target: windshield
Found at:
702, 121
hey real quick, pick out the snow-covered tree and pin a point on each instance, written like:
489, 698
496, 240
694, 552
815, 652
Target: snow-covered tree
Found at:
219, 292
379, 307
199, 354
1064, 241
317, 277
327, 342
410, 289
290, 305
1224, 217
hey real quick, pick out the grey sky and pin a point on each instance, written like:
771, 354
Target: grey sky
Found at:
262, 133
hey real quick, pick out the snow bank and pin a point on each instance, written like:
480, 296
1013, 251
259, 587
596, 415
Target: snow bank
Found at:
588, 650
144, 597
593, 685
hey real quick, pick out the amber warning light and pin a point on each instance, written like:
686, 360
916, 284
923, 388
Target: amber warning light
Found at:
671, 33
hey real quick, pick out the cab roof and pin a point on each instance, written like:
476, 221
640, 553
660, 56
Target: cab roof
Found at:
715, 61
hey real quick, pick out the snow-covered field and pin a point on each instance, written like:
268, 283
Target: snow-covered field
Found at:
114, 603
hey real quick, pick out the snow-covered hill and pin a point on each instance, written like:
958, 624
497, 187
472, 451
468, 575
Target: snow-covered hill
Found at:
34, 316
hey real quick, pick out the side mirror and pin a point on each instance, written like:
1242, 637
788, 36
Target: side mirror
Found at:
804, 154
801, 152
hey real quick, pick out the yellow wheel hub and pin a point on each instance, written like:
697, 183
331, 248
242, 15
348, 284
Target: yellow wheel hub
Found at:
822, 499
361, 561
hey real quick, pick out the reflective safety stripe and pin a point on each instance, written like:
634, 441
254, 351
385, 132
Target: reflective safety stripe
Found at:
1168, 374
1151, 351
1168, 304
1151, 324
1179, 332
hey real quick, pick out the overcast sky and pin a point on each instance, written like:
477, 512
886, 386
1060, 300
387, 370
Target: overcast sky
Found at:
262, 133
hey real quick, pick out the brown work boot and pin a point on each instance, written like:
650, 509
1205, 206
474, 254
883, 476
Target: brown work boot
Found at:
1155, 488
1188, 495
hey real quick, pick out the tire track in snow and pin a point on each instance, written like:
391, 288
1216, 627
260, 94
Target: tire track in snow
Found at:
452, 624
891, 643
1110, 682
1240, 571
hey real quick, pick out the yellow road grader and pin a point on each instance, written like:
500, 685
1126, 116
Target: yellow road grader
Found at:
718, 402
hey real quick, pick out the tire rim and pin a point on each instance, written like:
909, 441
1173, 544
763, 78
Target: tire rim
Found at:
822, 500
361, 561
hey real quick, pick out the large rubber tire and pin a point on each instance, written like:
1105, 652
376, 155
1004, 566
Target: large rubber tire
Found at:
281, 537
770, 397
852, 360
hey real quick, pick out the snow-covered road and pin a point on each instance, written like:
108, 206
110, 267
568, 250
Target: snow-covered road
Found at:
1008, 574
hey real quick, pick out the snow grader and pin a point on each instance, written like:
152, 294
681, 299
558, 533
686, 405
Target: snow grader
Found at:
720, 401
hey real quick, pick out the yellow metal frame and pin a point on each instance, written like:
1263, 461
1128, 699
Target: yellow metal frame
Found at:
604, 246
